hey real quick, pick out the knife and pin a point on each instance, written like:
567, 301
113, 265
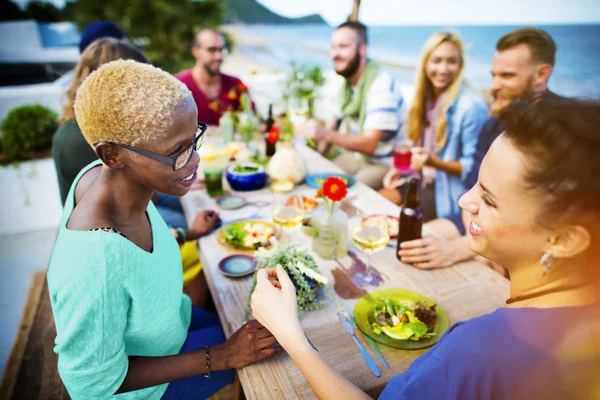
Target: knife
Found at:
368, 360
371, 343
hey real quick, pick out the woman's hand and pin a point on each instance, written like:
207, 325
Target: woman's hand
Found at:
205, 221
249, 344
274, 304
419, 158
392, 179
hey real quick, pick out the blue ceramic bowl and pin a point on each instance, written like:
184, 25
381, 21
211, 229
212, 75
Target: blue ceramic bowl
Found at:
253, 178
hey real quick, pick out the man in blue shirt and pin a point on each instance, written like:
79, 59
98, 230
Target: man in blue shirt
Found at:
521, 68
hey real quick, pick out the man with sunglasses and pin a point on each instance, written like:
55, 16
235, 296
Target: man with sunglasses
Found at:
213, 91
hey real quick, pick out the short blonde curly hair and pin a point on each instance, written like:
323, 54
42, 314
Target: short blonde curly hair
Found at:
129, 102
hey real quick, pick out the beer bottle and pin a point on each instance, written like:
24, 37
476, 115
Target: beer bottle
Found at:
269, 146
411, 216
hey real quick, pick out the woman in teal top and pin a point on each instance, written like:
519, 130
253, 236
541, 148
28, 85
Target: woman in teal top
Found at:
115, 278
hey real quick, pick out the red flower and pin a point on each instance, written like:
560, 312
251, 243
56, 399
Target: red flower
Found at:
242, 87
273, 135
334, 188
232, 95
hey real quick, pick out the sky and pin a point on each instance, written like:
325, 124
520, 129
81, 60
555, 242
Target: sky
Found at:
439, 12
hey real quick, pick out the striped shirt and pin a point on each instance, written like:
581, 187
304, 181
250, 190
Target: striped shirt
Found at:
386, 111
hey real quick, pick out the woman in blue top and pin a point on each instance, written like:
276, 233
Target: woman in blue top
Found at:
115, 279
536, 210
443, 123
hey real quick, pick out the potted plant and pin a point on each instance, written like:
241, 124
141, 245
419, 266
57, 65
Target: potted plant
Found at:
302, 269
27, 131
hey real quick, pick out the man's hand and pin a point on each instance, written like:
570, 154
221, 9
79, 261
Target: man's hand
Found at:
429, 253
310, 129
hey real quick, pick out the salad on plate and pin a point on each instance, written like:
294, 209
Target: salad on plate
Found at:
248, 235
404, 319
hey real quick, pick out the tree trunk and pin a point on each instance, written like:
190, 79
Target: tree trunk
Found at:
354, 15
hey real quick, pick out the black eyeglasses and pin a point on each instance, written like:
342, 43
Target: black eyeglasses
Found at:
177, 160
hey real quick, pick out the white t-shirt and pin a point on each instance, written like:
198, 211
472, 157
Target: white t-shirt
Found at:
386, 111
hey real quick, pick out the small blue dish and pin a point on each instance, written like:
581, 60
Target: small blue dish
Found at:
244, 177
315, 181
231, 202
237, 265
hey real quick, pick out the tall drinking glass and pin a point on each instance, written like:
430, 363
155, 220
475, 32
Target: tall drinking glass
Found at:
403, 155
370, 234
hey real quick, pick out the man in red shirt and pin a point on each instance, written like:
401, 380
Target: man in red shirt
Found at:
213, 91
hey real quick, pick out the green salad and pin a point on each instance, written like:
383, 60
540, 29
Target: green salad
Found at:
244, 169
404, 319
248, 235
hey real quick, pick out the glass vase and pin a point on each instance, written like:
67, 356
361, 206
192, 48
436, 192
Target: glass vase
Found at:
330, 232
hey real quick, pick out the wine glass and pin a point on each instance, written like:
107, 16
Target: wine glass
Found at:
370, 234
298, 109
288, 211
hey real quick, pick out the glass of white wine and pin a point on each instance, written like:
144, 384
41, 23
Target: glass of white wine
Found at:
370, 234
288, 211
298, 109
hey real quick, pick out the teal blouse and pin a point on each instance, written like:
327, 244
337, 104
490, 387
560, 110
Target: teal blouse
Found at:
111, 300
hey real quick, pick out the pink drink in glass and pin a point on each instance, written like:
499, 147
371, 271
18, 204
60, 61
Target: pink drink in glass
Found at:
402, 157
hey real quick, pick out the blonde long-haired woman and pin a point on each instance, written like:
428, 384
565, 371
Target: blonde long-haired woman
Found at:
443, 124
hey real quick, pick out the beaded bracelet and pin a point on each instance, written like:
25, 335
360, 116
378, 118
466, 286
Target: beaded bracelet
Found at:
207, 356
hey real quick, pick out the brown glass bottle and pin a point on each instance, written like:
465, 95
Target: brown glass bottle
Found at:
269, 147
411, 216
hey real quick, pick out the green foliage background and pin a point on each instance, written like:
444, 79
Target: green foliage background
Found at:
164, 29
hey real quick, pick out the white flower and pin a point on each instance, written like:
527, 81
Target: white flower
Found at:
311, 273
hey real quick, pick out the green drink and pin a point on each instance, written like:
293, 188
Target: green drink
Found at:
214, 182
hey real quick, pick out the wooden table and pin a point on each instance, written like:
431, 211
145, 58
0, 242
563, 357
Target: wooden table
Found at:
466, 290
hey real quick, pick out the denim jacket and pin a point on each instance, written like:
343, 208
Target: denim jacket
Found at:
466, 116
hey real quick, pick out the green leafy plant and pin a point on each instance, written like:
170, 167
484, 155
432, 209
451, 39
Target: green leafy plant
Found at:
302, 269
26, 130
303, 82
